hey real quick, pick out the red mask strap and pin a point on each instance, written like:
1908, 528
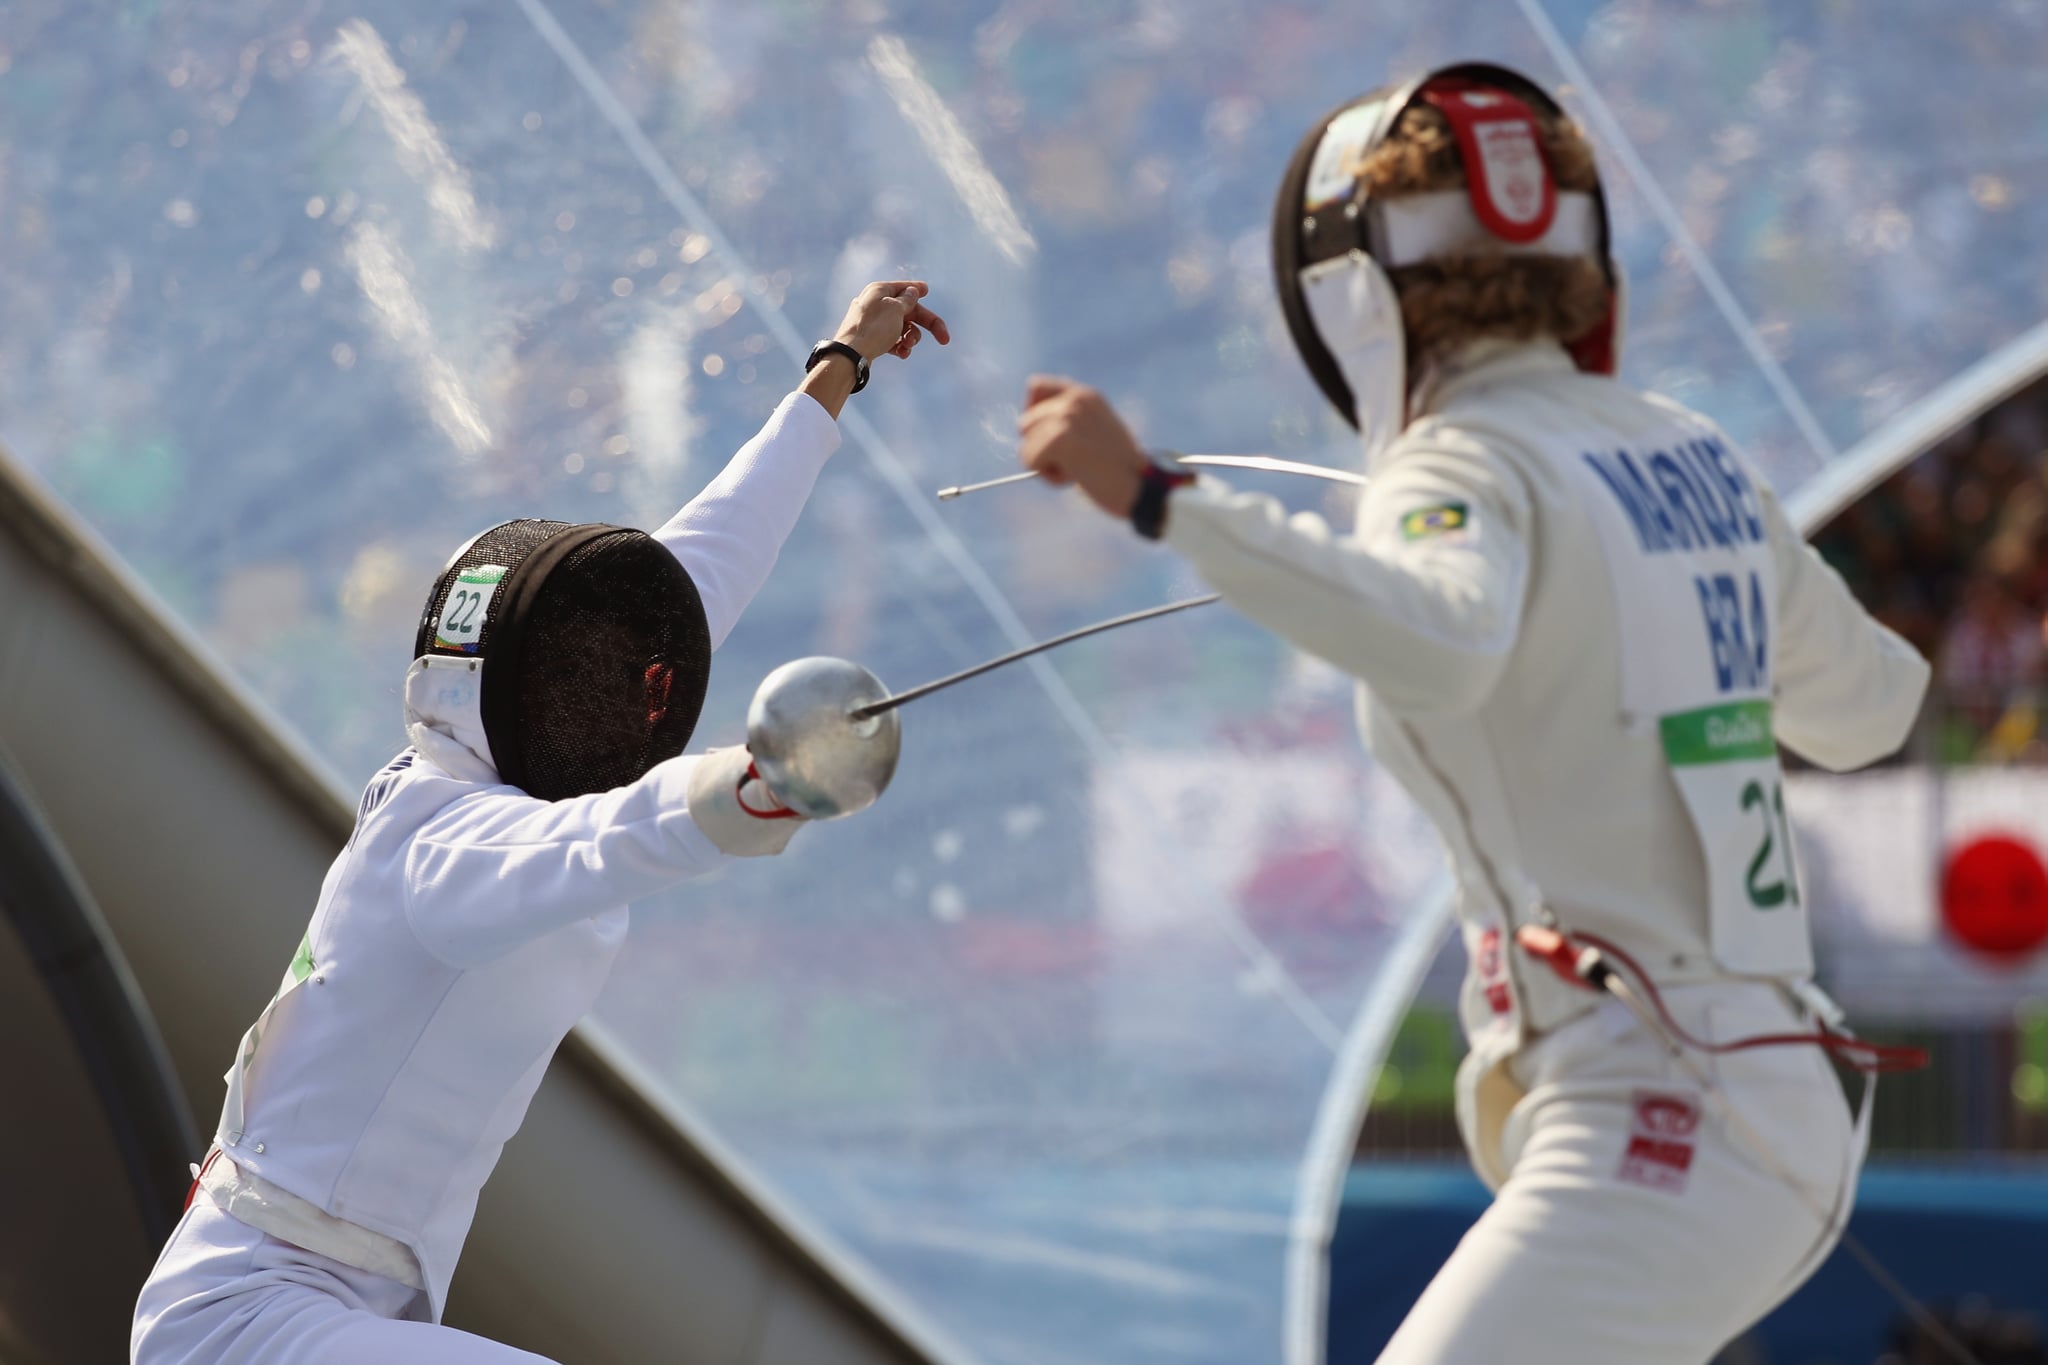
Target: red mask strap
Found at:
1510, 183
1593, 353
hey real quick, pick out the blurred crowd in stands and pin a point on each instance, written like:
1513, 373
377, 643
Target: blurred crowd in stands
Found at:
1952, 552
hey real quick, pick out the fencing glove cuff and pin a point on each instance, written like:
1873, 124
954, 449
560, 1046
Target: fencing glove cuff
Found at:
734, 807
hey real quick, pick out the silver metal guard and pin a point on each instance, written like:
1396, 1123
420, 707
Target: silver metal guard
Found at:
817, 759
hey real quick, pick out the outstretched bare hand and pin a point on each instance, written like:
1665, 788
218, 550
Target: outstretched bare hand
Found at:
889, 318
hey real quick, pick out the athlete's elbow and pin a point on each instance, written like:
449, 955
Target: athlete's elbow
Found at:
1843, 749
1909, 696
1437, 675
1886, 722
446, 929
1835, 755
1443, 701
1432, 684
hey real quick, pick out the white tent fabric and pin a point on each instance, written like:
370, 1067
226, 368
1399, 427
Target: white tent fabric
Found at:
294, 299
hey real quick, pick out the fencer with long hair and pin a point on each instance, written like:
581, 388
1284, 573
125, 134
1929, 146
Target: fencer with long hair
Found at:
1581, 627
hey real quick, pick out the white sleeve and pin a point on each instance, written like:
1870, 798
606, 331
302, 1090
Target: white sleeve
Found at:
497, 869
1847, 688
1422, 603
729, 534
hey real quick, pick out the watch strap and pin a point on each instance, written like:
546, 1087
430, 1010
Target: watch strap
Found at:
830, 348
1148, 513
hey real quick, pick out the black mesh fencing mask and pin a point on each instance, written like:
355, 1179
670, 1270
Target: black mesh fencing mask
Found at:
595, 648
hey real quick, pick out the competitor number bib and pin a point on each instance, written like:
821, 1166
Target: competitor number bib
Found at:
1695, 586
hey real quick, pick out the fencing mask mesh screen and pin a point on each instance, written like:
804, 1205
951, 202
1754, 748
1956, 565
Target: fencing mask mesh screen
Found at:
596, 649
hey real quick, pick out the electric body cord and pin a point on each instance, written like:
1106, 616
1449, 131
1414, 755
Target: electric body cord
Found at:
1582, 959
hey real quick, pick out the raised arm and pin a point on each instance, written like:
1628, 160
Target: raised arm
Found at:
730, 534
1423, 603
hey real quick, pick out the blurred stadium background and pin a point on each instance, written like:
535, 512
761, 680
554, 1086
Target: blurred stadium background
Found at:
1064, 1052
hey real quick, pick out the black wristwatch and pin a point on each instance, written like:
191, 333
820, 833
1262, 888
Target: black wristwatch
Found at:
1148, 513
825, 348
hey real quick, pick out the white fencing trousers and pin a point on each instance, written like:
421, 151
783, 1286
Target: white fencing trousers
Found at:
223, 1293
1634, 1227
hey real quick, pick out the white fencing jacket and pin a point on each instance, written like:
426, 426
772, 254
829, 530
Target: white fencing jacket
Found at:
464, 930
1579, 621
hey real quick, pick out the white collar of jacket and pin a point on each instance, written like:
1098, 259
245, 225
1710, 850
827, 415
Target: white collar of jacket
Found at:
444, 716
1483, 363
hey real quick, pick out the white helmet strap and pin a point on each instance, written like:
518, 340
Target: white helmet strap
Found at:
1420, 227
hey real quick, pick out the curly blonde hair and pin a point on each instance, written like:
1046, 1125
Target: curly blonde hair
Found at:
1448, 302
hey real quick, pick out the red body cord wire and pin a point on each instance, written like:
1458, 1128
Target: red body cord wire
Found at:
1566, 954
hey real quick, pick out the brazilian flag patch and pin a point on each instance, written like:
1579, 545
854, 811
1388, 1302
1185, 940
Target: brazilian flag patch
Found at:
1439, 520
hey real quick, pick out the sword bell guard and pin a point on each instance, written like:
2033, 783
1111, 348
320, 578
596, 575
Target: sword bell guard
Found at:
817, 758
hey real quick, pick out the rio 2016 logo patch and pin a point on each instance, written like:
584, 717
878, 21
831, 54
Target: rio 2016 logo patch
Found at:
1440, 520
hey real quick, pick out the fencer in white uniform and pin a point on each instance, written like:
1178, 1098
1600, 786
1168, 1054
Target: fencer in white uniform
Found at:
473, 918
1581, 625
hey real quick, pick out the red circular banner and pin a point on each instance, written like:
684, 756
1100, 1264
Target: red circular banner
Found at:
1994, 897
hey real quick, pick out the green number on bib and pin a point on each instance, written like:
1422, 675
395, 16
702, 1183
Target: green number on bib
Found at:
1770, 895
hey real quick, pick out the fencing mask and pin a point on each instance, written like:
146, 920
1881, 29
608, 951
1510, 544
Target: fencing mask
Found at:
586, 647
1334, 242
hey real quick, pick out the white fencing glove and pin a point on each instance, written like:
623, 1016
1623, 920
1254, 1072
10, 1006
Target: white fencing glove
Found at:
733, 806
